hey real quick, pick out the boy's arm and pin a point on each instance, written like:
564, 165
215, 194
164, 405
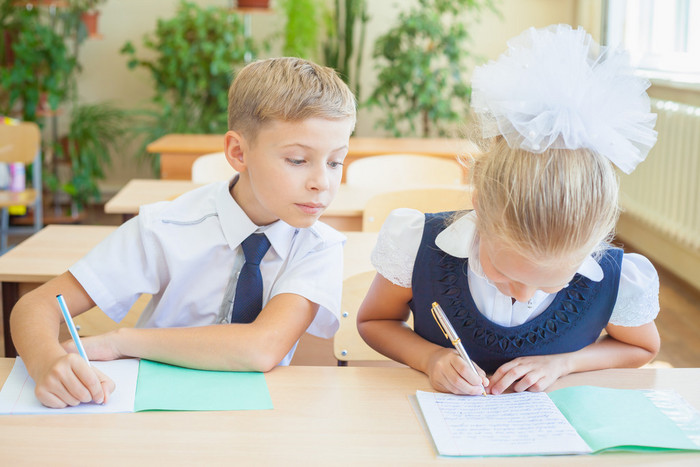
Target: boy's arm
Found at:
61, 379
381, 322
258, 346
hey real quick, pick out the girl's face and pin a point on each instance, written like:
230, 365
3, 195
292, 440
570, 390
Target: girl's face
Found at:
519, 277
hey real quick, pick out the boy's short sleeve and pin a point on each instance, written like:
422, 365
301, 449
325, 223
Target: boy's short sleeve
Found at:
317, 275
120, 268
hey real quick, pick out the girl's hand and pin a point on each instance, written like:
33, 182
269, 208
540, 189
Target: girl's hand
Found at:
535, 373
448, 372
101, 347
69, 381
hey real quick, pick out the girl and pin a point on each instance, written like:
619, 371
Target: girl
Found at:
527, 278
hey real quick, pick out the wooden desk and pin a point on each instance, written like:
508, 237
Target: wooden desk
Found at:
344, 213
321, 416
178, 151
52, 250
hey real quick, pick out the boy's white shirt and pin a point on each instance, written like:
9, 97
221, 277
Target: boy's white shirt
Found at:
185, 252
397, 246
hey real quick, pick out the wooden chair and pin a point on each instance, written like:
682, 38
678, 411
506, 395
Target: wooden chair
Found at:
426, 199
211, 168
348, 345
403, 171
21, 143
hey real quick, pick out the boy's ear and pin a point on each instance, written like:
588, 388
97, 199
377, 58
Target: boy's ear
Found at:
235, 148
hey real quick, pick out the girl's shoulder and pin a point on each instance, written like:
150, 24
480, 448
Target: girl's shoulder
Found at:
394, 255
638, 295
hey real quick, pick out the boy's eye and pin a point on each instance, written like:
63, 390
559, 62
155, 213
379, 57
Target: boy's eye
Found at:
334, 164
295, 161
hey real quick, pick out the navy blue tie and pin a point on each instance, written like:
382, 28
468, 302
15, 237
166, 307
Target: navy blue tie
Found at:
249, 288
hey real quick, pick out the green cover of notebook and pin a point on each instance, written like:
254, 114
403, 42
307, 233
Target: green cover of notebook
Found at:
146, 385
575, 420
167, 387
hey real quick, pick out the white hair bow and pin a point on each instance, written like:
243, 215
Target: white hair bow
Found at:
555, 88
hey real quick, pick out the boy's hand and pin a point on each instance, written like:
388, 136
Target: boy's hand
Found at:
70, 381
448, 372
535, 373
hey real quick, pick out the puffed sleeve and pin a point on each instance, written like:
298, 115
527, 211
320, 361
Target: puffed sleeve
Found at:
397, 245
638, 295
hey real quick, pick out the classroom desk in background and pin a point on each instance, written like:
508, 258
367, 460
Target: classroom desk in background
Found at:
344, 213
52, 250
178, 151
321, 416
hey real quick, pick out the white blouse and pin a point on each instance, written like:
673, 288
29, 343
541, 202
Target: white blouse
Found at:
397, 246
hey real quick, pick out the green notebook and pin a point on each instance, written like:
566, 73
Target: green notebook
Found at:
146, 385
167, 387
575, 420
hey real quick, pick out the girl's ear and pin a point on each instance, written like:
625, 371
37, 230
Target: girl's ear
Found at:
475, 201
235, 148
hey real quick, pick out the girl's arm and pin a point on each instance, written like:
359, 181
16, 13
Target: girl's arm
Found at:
622, 347
381, 321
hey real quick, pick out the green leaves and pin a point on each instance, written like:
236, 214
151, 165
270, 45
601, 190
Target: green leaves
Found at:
196, 53
42, 66
95, 130
421, 64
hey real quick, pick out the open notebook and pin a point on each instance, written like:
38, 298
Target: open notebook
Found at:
575, 420
145, 385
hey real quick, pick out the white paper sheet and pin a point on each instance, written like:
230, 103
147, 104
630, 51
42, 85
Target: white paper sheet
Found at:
17, 395
525, 423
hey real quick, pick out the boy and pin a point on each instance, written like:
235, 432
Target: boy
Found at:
289, 127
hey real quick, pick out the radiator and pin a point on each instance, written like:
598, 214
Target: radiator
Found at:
663, 193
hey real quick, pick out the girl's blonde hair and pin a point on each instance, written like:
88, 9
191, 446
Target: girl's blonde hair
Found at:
547, 205
286, 89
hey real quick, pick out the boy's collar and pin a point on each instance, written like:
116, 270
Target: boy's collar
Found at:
237, 226
460, 239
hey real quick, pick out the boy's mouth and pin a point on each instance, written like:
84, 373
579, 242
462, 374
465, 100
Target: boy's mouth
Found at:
311, 208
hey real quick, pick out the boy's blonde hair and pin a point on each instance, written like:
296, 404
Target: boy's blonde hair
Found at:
286, 89
545, 206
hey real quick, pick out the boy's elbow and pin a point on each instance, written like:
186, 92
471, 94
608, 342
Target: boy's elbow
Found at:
264, 356
265, 361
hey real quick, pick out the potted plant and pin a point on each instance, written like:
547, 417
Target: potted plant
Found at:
191, 61
95, 130
335, 34
346, 27
421, 64
253, 4
302, 28
88, 14
41, 69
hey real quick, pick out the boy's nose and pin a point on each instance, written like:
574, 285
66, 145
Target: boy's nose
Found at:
319, 180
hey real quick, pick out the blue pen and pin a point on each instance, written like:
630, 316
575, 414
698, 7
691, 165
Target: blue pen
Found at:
71, 327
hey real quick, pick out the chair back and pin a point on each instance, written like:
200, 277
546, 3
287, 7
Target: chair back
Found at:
404, 170
211, 168
19, 143
427, 199
348, 345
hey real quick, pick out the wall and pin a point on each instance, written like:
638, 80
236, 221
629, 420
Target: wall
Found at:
105, 74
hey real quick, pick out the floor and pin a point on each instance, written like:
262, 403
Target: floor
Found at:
678, 321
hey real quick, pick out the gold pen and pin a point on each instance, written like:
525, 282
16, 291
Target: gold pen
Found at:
451, 334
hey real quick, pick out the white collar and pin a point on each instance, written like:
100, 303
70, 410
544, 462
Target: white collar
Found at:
237, 226
460, 239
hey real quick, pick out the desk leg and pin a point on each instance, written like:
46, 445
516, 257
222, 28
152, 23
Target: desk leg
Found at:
10, 295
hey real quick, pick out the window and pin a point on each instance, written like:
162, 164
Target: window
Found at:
662, 36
